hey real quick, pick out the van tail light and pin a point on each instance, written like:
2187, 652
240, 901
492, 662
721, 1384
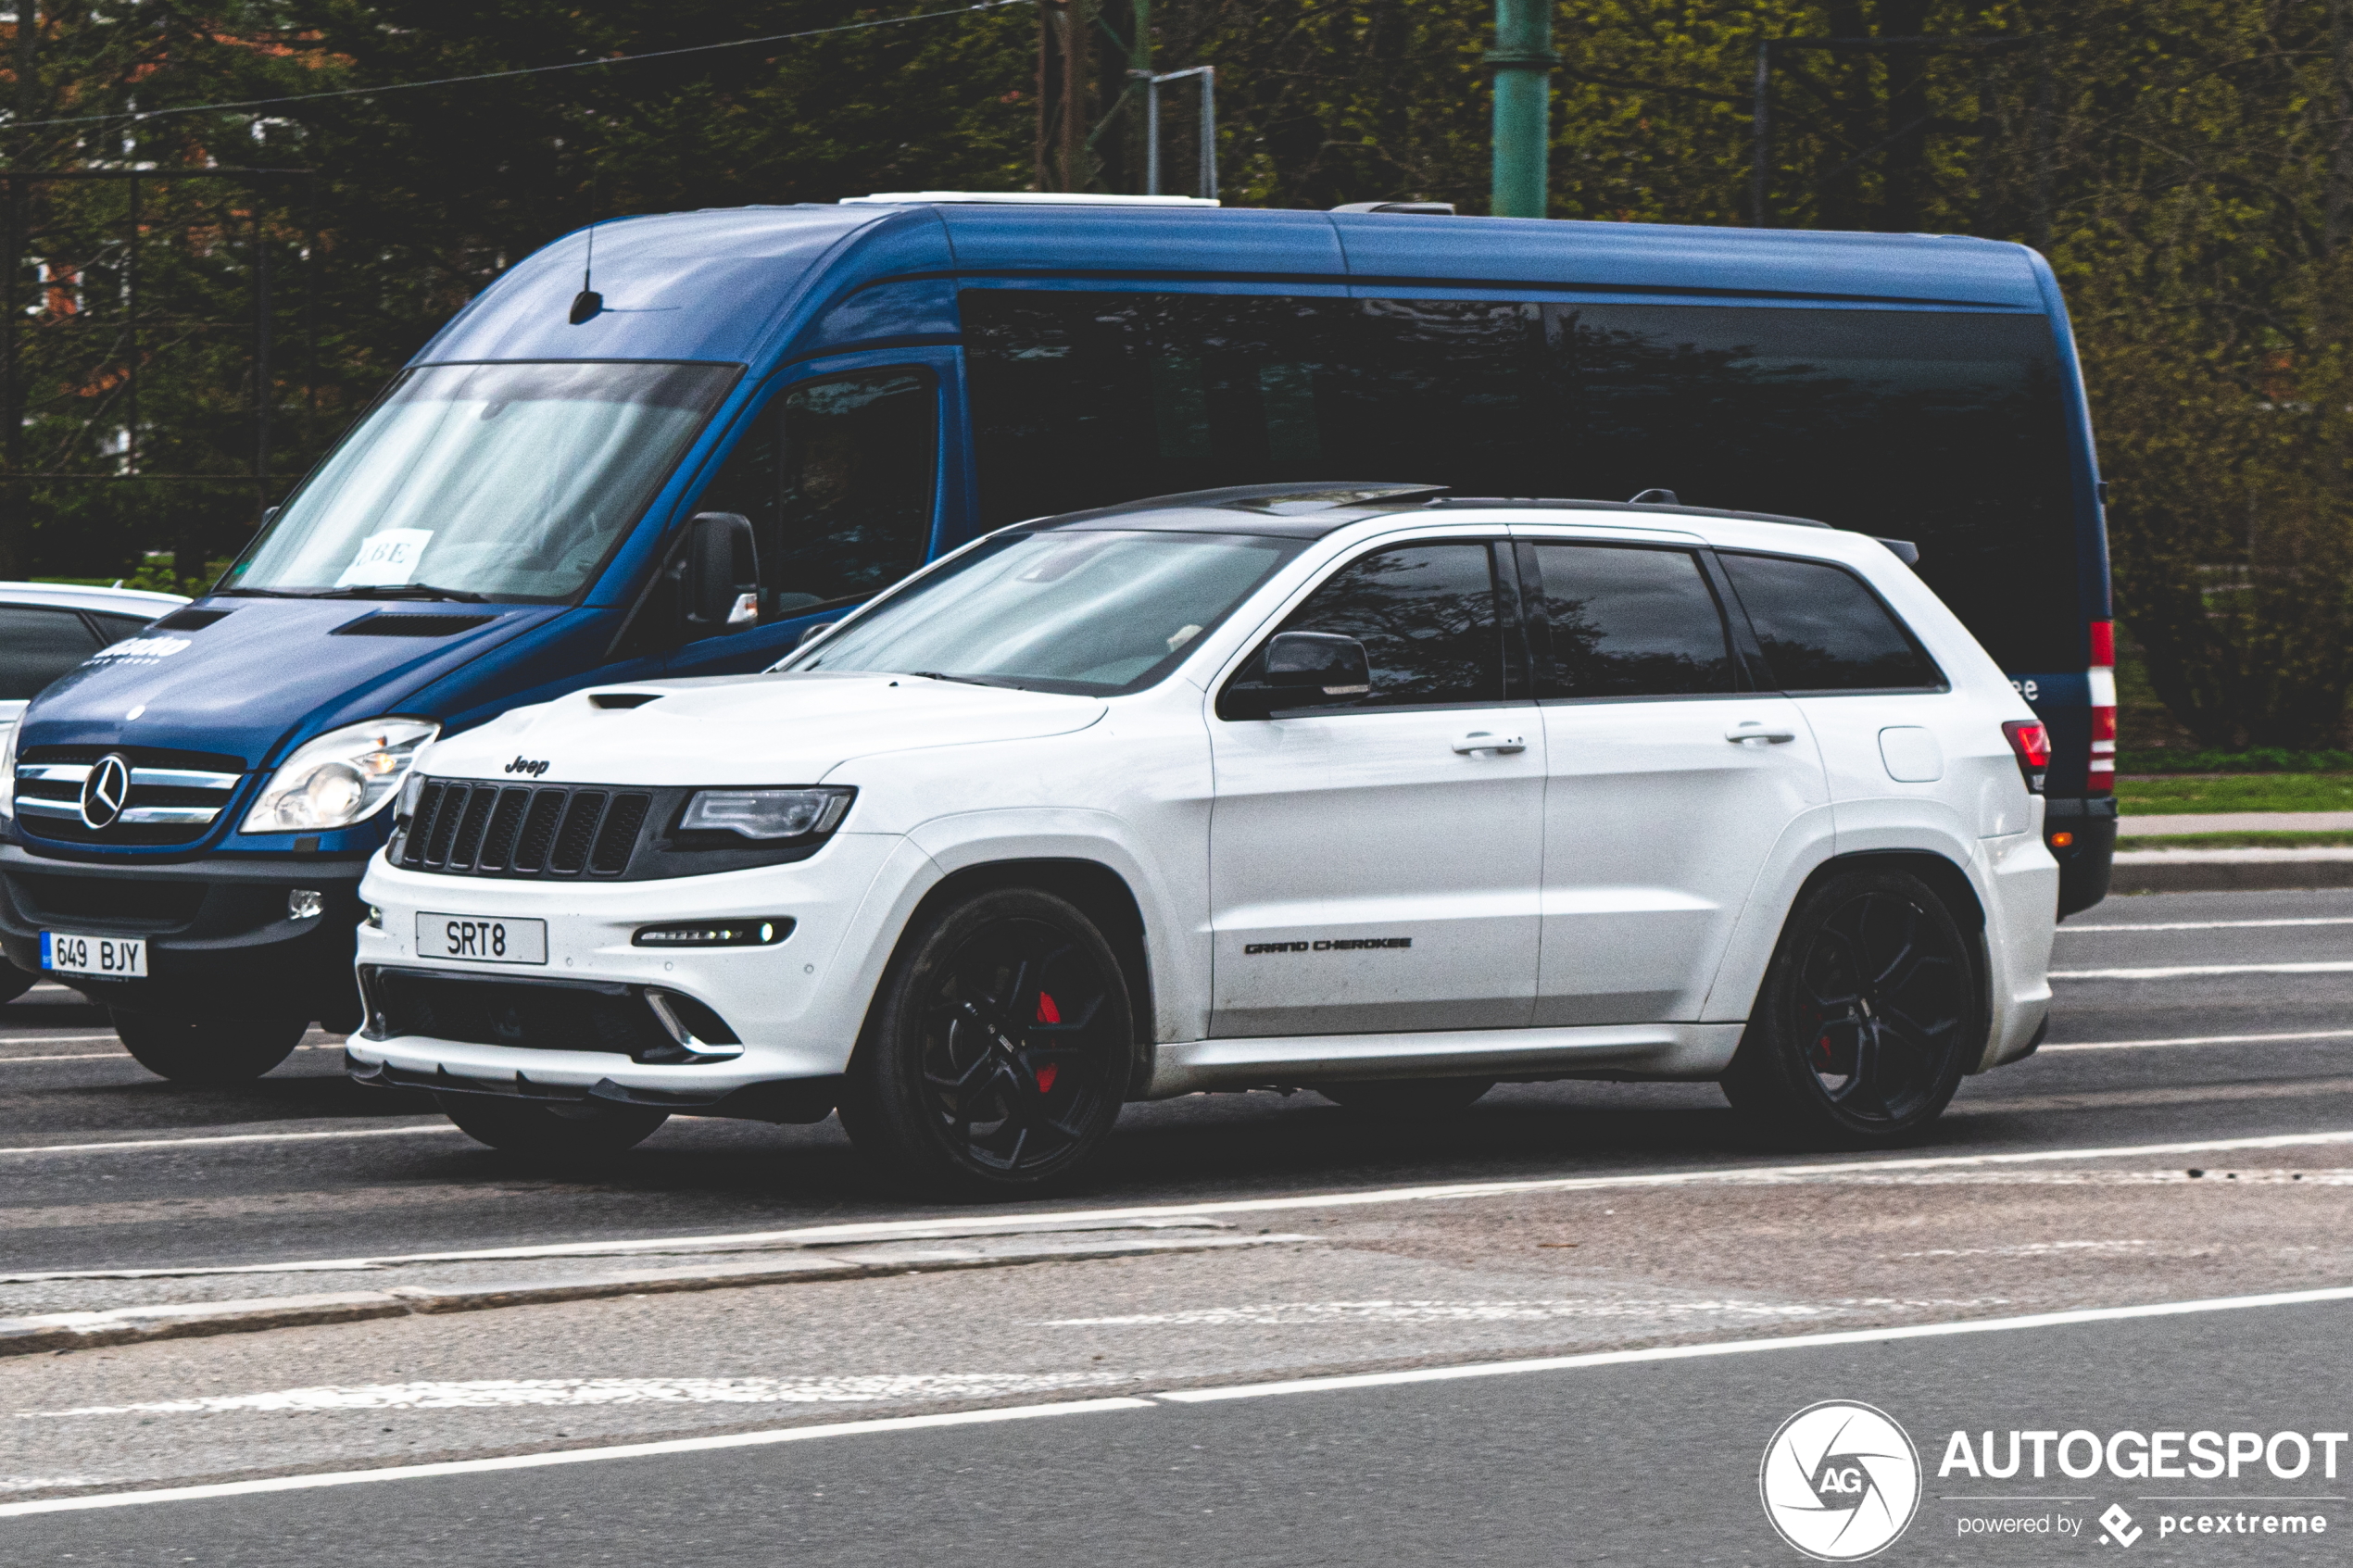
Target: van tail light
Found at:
2100, 777
2032, 742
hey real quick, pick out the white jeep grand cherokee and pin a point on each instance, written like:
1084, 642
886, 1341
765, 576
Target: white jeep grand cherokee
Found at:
1352, 788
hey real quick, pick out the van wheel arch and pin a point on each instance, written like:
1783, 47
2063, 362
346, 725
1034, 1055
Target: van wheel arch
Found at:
1095, 890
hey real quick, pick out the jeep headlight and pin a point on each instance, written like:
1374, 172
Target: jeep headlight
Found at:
768, 814
345, 776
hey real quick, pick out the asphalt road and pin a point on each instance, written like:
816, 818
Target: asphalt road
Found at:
2191, 1019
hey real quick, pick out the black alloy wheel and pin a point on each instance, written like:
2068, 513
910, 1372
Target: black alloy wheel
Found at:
553, 1131
1873, 1008
999, 1055
212, 1050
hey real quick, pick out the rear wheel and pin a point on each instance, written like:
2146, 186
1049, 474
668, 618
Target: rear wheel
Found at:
1407, 1096
215, 1050
999, 1053
15, 983
1869, 1015
557, 1130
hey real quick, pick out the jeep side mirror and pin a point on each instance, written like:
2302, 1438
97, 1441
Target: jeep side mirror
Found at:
1300, 670
720, 575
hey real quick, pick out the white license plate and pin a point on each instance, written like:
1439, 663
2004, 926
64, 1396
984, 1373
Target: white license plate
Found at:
116, 958
482, 938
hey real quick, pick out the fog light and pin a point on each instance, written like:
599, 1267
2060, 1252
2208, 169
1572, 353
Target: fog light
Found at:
375, 917
305, 903
715, 933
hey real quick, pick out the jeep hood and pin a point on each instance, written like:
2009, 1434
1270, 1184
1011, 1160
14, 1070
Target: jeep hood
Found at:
784, 729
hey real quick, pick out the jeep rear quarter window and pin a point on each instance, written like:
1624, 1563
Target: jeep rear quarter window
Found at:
1823, 630
38, 646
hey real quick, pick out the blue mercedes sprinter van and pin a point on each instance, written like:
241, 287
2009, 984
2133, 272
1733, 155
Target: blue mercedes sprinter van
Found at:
741, 421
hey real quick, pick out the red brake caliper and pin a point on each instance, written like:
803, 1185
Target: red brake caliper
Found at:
1047, 1014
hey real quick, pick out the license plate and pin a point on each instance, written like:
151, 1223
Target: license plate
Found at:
114, 958
482, 938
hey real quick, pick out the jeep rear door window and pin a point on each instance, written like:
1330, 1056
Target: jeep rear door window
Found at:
1823, 630
1948, 428
836, 477
511, 481
1429, 617
1093, 613
38, 646
1624, 623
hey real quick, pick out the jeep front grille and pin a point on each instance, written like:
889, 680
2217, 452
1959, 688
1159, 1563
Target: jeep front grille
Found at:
481, 829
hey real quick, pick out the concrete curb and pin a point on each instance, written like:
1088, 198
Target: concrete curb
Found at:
2221, 870
128, 1325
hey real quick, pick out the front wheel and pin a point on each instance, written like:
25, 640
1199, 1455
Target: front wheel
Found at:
552, 1130
213, 1050
1872, 1011
999, 1052
15, 982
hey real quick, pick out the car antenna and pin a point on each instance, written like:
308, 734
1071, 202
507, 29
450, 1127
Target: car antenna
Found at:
588, 302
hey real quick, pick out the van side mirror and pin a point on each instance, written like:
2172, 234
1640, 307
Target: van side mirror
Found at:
720, 573
1300, 670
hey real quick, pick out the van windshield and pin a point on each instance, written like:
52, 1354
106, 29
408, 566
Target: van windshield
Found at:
1091, 613
503, 482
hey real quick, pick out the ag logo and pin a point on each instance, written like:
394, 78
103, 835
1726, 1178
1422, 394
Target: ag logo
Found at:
1840, 1481
104, 790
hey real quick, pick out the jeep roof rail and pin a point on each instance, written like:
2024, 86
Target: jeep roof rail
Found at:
1023, 198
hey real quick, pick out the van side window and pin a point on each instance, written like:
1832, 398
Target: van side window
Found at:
837, 479
114, 628
1429, 617
38, 646
1823, 630
1626, 622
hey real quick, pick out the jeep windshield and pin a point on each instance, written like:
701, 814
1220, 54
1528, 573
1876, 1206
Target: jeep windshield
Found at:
505, 481
1092, 614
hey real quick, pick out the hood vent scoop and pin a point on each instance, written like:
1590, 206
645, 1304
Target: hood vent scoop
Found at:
622, 699
190, 619
411, 625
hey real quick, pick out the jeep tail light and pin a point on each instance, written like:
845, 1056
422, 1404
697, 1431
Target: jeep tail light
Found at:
2100, 778
2032, 742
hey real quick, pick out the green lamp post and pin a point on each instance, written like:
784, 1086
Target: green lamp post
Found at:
1522, 59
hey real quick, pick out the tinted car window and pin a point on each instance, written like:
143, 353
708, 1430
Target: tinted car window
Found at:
1823, 630
38, 646
1426, 616
837, 479
1628, 622
114, 628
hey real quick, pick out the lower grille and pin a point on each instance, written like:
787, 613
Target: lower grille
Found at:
109, 898
541, 1015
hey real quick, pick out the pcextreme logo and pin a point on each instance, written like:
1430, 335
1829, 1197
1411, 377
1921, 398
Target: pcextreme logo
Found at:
1840, 1481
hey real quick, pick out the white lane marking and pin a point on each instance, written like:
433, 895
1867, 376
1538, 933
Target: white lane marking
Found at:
1076, 1219
1745, 1347
2211, 924
2028, 1250
1285, 1315
1184, 1396
55, 1039
2183, 971
570, 1456
505, 1392
2199, 1040
134, 1144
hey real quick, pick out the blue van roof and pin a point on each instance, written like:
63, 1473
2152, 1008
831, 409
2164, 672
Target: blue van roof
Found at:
734, 284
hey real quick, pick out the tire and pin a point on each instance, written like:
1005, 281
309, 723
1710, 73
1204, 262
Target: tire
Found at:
1872, 1009
1406, 1097
561, 1132
15, 983
215, 1050
998, 1052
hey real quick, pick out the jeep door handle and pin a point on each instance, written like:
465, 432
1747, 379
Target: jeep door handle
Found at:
1487, 740
1749, 729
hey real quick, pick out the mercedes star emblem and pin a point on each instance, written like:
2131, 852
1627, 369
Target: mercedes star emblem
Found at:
104, 792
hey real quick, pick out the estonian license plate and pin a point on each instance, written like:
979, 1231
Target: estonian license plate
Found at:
116, 958
482, 938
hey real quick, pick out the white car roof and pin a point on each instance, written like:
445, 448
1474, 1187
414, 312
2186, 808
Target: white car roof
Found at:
105, 601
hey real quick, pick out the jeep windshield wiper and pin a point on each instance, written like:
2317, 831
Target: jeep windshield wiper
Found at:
401, 591
963, 680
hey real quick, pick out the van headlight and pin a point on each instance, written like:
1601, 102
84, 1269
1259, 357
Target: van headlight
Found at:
345, 776
768, 814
